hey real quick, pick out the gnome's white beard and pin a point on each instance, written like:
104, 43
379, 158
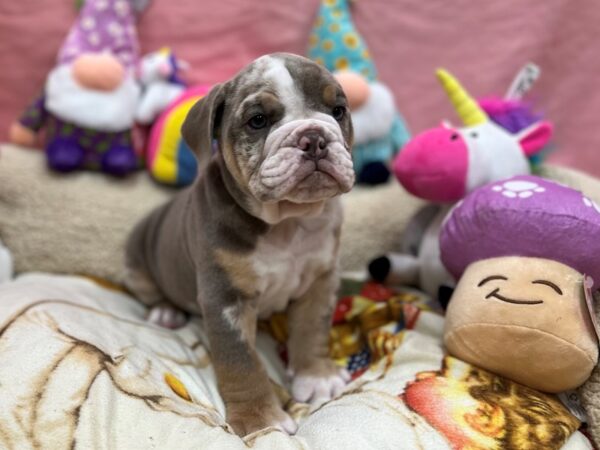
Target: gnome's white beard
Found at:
373, 120
100, 110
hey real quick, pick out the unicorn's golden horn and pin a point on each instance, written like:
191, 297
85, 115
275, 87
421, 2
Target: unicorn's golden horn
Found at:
466, 108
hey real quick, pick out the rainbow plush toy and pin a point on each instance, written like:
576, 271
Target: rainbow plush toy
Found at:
168, 158
443, 164
379, 130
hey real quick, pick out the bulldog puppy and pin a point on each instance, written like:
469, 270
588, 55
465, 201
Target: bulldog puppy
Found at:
258, 232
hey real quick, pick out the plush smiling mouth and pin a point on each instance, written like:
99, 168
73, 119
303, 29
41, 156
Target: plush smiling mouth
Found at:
495, 294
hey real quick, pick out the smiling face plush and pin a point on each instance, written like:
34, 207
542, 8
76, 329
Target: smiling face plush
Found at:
525, 319
522, 251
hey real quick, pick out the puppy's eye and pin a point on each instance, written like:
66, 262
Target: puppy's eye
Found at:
258, 121
338, 113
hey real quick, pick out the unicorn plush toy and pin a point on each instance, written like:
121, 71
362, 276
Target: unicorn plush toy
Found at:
443, 164
162, 83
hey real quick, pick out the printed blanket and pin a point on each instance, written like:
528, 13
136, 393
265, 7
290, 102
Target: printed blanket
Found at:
80, 368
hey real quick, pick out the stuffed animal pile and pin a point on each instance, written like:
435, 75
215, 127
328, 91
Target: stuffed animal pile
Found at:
443, 164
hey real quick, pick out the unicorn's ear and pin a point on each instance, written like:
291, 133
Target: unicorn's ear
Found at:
446, 124
532, 139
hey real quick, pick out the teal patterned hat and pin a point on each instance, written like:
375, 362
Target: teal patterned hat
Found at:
335, 42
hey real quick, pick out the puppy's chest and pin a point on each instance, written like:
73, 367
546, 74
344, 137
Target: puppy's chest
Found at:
288, 260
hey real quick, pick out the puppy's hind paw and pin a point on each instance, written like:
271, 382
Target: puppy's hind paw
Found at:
167, 316
287, 425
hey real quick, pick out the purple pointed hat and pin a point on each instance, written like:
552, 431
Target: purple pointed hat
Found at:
103, 26
523, 216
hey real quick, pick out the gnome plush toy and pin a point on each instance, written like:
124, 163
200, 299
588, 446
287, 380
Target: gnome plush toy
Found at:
379, 130
526, 256
89, 99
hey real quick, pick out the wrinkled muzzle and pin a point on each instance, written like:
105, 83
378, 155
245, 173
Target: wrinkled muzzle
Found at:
306, 161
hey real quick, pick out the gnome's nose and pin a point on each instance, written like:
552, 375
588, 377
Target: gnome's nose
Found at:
313, 144
433, 165
98, 71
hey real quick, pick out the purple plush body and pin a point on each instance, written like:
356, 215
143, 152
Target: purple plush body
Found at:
523, 216
71, 147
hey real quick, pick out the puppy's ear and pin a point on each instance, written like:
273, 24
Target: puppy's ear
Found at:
350, 139
202, 124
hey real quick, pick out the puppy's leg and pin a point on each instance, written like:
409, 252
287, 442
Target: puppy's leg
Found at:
161, 313
316, 377
243, 382
142, 286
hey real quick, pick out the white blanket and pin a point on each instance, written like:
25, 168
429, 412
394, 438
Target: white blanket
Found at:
80, 368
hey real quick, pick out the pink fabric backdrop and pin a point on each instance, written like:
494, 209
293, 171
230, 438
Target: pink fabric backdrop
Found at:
483, 43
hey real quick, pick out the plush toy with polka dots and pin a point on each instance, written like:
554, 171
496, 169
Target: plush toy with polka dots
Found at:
526, 256
379, 130
89, 99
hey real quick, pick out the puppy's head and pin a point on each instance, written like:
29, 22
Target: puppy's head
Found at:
283, 129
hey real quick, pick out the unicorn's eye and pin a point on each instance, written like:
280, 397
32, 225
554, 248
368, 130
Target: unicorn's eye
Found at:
454, 136
474, 134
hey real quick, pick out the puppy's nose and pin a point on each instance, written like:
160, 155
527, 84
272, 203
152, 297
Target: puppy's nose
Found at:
313, 144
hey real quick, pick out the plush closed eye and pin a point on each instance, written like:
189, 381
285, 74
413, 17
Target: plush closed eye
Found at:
550, 284
491, 278
258, 121
338, 112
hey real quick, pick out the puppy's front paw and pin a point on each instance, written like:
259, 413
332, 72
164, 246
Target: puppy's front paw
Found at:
167, 316
248, 418
319, 383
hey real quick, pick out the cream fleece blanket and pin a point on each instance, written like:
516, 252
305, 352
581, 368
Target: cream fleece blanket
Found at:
78, 223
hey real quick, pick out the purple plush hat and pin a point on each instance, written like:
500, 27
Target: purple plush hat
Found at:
103, 26
523, 216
